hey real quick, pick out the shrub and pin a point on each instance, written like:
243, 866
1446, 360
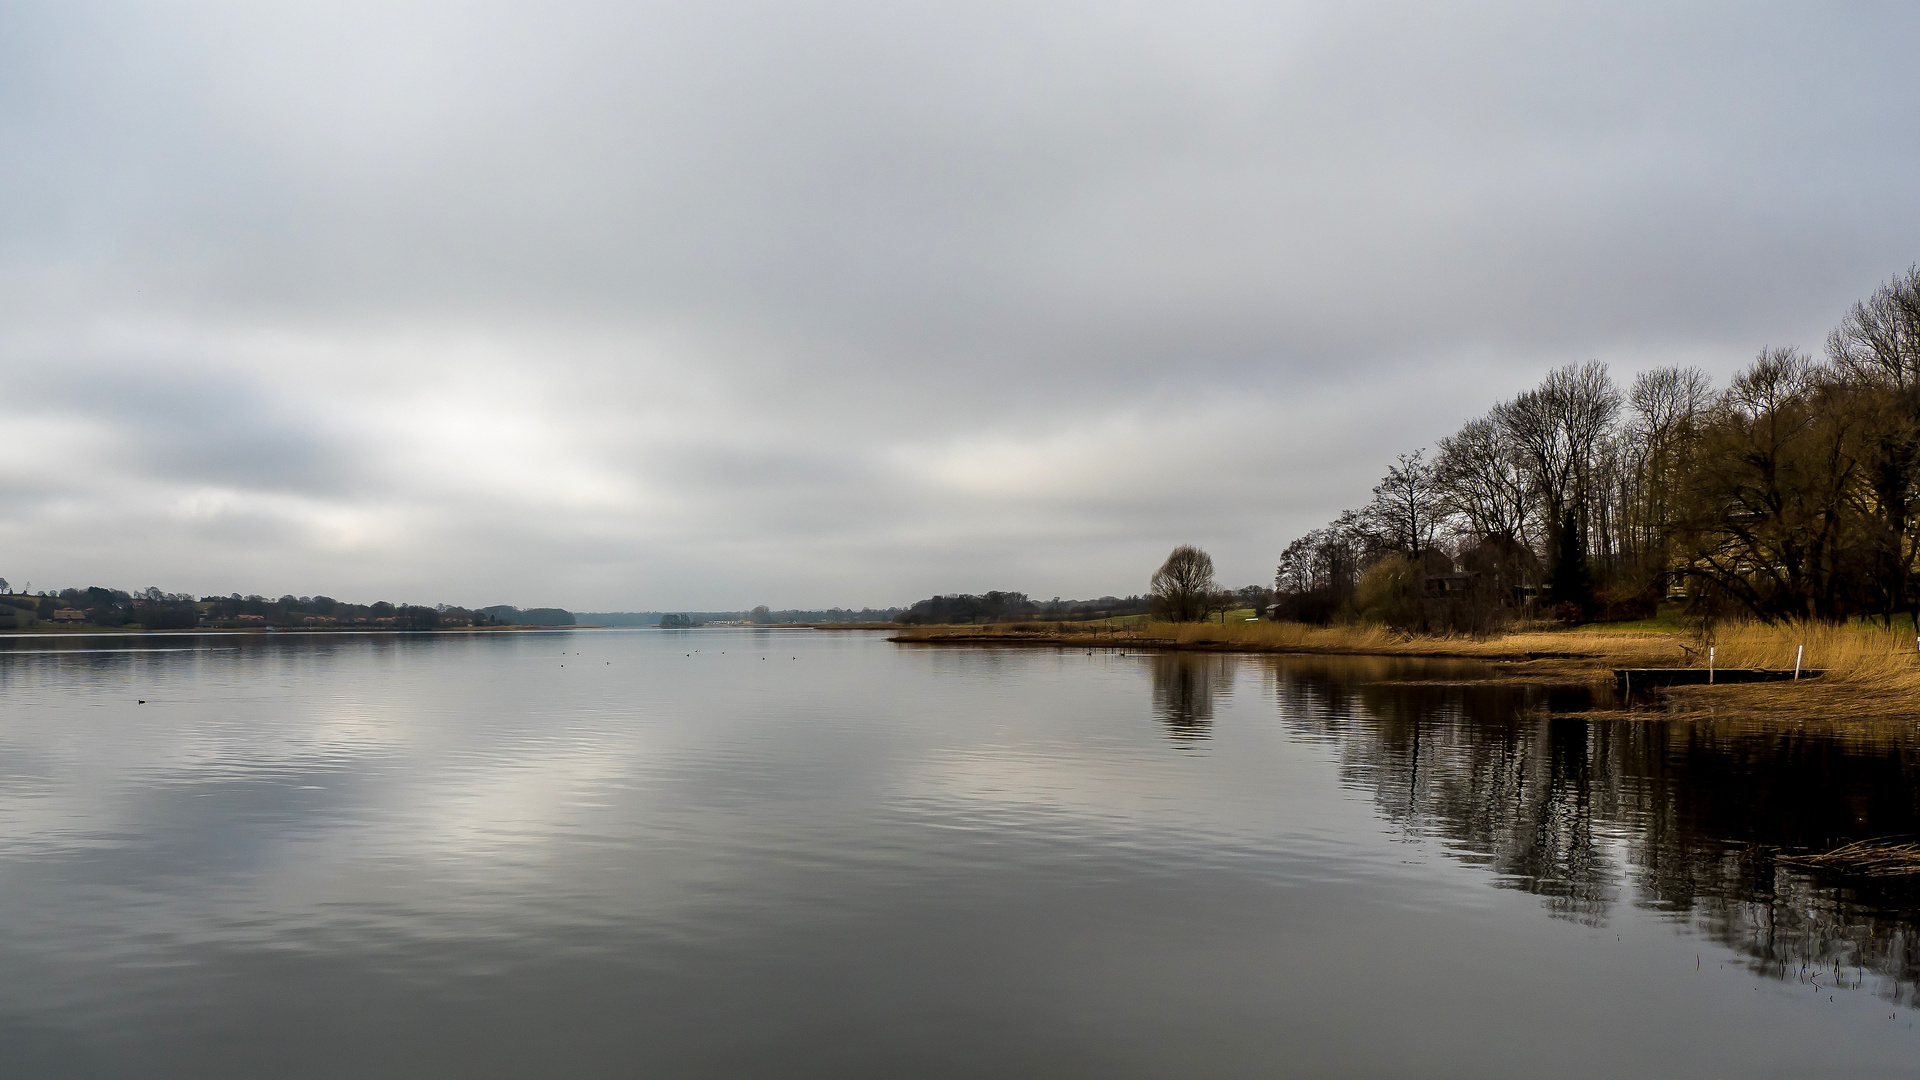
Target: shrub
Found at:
1389, 592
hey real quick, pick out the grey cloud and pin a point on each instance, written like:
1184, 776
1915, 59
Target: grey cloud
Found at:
191, 427
752, 264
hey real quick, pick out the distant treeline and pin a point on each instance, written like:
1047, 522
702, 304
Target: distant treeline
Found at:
1005, 606
1792, 493
761, 615
153, 609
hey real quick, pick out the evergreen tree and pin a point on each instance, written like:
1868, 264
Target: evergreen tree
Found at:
1570, 581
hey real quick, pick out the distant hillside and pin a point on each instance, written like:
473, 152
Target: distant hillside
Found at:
540, 616
619, 618
762, 615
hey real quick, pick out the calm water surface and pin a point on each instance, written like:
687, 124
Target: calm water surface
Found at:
765, 853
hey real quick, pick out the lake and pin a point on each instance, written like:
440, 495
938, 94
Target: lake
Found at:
744, 853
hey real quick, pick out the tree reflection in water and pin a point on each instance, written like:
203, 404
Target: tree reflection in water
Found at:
1184, 688
1680, 816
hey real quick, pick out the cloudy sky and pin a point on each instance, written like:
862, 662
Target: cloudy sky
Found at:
707, 304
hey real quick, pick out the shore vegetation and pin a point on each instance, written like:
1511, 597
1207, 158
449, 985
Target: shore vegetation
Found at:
98, 608
1866, 669
1790, 495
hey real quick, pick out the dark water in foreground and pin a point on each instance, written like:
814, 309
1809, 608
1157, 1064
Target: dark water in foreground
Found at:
815, 854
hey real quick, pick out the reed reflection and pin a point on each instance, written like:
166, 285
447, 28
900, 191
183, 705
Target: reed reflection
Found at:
1185, 686
1680, 817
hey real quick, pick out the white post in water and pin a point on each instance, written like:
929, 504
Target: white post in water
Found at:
1797, 654
1709, 665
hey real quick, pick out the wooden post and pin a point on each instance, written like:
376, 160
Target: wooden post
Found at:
1709, 665
1797, 654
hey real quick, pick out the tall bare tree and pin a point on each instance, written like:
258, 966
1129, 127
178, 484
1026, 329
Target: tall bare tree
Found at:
1654, 457
1481, 478
1183, 588
1770, 492
1877, 346
1406, 506
1559, 429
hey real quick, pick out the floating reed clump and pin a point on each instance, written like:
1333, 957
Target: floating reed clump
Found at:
1889, 857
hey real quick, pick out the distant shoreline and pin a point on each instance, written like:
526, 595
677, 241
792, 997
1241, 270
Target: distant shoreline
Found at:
256, 631
51, 630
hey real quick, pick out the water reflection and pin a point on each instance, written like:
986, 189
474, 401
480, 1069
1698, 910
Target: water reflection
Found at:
628, 853
1679, 817
1185, 686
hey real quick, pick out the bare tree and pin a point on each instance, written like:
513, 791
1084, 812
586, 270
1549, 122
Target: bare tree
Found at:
1771, 489
1183, 588
1667, 400
1318, 572
1879, 340
1560, 429
1877, 347
1481, 477
1654, 456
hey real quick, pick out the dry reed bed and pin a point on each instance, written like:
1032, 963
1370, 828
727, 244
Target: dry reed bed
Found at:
1850, 652
1355, 640
1869, 671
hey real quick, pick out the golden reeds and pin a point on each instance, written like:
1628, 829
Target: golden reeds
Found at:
1859, 653
1354, 639
1867, 671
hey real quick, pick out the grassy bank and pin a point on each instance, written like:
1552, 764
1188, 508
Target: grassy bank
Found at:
1869, 671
